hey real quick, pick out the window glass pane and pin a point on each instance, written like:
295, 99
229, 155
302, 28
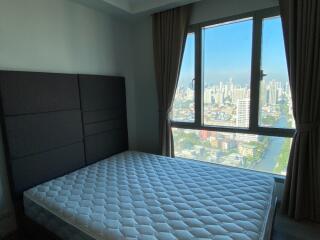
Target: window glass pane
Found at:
261, 153
226, 70
275, 108
183, 105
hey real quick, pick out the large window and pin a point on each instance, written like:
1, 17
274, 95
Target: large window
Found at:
226, 53
183, 106
275, 106
233, 103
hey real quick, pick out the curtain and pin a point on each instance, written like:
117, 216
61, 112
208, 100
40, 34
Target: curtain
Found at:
301, 24
170, 30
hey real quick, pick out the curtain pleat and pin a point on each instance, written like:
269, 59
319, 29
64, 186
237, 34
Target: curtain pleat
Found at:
301, 24
170, 30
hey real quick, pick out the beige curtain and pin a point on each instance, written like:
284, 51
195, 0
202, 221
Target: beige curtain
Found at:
170, 29
301, 24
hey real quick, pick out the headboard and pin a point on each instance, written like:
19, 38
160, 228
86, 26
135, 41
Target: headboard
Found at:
103, 103
55, 123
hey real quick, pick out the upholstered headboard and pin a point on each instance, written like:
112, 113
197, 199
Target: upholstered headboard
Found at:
103, 101
54, 123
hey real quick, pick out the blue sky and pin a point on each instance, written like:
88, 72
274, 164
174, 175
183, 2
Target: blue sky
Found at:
227, 53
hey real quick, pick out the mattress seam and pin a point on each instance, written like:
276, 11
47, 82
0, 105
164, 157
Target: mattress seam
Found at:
26, 194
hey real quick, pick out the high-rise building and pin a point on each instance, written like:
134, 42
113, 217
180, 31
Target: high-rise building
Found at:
239, 93
273, 93
243, 112
263, 93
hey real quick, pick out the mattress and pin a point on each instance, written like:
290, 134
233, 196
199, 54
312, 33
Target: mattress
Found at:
134, 195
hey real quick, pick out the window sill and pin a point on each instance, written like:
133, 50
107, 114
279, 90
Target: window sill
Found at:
277, 178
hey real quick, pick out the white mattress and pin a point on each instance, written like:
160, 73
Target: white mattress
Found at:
136, 195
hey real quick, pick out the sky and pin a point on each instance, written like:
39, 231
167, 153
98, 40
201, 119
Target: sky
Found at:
227, 51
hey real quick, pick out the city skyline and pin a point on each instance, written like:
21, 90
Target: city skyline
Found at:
222, 102
228, 105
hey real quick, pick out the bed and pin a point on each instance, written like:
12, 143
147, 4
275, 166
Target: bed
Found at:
134, 195
57, 128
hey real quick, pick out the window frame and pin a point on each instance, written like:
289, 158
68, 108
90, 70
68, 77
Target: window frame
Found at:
254, 128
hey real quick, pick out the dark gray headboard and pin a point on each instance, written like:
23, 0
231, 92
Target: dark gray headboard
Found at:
103, 101
54, 124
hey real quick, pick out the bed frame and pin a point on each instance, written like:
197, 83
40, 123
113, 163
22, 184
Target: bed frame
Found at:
53, 124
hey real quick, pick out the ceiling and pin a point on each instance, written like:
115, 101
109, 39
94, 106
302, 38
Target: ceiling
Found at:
140, 6
134, 7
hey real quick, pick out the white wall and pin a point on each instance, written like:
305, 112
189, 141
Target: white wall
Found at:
66, 37
145, 85
146, 98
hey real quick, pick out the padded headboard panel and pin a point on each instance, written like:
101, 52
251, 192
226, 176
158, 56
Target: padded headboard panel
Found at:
54, 124
103, 101
42, 123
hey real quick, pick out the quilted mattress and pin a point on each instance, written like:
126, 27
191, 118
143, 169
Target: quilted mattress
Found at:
134, 195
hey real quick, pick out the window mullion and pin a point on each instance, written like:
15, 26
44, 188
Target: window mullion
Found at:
198, 78
255, 73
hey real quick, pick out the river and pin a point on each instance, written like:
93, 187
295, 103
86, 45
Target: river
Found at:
270, 156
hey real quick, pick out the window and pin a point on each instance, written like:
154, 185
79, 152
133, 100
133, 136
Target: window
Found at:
183, 106
233, 103
226, 52
275, 109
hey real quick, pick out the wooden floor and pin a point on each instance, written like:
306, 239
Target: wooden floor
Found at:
283, 229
